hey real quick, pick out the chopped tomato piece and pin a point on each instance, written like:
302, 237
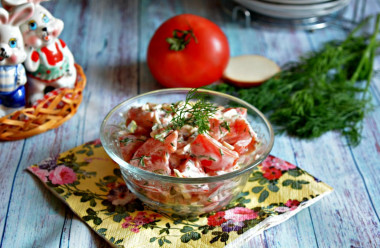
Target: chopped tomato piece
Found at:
248, 148
143, 118
176, 159
191, 168
171, 141
211, 154
218, 128
154, 154
150, 157
240, 135
129, 144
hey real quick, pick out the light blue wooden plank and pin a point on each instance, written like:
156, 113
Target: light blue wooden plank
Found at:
367, 154
345, 217
9, 161
152, 15
32, 208
367, 158
112, 74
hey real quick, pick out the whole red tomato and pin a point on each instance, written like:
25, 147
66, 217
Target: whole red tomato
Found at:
188, 51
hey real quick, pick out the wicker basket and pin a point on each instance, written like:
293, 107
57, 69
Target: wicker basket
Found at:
49, 113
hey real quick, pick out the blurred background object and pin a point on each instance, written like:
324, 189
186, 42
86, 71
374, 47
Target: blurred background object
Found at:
302, 14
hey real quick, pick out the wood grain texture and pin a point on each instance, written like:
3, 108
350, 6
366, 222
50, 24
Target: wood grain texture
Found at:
109, 39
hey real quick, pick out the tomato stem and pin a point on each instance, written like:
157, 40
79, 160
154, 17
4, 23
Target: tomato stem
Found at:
180, 39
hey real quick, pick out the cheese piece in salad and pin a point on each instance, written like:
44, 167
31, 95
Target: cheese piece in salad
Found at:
187, 139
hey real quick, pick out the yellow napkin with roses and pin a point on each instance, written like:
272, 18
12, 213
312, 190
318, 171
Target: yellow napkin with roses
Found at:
90, 183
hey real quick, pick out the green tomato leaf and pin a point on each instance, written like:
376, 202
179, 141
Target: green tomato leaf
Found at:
257, 189
296, 185
118, 241
224, 237
97, 221
294, 173
167, 241
214, 239
185, 238
92, 203
263, 196
90, 211
152, 239
273, 188
287, 182
195, 235
186, 229
160, 242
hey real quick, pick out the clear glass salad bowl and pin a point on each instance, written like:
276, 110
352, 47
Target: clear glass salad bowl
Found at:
184, 196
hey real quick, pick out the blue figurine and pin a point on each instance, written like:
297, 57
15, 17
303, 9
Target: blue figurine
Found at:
12, 55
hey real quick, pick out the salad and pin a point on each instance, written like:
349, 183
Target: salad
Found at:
187, 139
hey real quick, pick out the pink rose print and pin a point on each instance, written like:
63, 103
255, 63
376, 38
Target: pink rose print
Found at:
139, 220
273, 162
119, 194
292, 204
240, 214
62, 175
41, 174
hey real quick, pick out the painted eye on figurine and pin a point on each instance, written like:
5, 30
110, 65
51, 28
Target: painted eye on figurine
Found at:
45, 19
13, 43
32, 25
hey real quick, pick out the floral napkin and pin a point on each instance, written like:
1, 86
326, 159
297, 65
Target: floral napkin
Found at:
90, 183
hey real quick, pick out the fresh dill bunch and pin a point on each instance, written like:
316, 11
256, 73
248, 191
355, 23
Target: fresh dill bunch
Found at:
196, 111
326, 90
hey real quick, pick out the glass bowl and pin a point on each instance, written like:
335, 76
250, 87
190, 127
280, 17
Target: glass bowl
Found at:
184, 196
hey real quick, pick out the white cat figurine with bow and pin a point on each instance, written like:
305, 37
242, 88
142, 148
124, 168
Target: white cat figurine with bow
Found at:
12, 55
49, 62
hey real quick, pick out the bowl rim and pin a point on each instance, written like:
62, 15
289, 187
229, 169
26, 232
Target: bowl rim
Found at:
193, 180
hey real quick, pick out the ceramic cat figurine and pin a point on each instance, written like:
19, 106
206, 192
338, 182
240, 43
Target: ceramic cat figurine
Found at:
49, 62
12, 55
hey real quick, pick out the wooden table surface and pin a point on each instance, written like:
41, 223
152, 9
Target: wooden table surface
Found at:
109, 39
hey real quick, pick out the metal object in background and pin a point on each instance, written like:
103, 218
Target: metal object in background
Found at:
300, 14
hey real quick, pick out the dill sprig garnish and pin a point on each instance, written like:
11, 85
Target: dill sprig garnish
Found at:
195, 111
326, 90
